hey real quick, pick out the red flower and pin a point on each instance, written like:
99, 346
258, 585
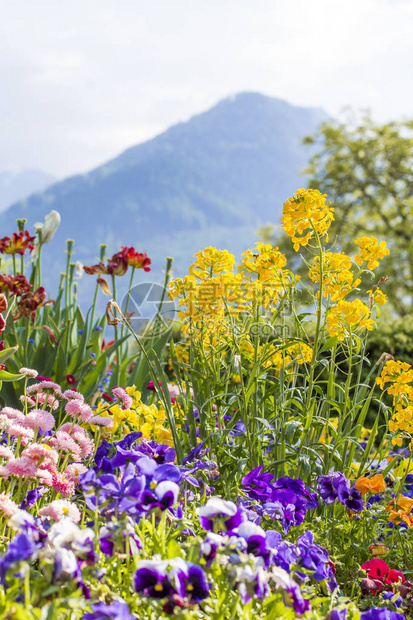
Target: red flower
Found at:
29, 303
378, 572
376, 569
135, 259
117, 266
18, 243
394, 576
15, 285
70, 379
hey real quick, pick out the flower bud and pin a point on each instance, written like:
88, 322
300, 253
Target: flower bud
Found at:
377, 549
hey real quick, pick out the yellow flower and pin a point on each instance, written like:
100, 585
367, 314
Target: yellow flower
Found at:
377, 297
300, 352
371, 250
264, 260
348, 316
306, 211
338, 279
211, 262
395, 372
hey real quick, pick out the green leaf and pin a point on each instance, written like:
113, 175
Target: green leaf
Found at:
8, 376
7, 353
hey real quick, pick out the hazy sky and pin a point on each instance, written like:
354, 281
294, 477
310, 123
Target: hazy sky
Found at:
81, 80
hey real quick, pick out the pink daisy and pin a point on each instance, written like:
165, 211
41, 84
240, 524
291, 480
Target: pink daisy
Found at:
101, 420
45, 476
39, 418
13, 414
77, 407
74, 471
41, 451
29, 372
123, 396
66, 443
61, 509
69, 394
7, 506
18, 430
6, 452
43, 386
63, 485
22, 467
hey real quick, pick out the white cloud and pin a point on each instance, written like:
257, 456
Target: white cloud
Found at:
86, 79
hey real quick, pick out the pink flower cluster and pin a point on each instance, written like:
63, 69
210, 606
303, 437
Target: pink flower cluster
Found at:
37, 461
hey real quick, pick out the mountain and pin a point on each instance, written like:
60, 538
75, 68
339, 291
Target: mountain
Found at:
18, 185
209, 181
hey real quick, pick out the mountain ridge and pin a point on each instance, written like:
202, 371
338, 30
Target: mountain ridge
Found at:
216, 176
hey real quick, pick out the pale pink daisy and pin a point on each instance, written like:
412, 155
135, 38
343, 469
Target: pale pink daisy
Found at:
40, 399
13, 414
101, 420
18, 430
123, 396
45, 476
63, 485
22, 467
70, 394
76, 407
43, 386
61, 509
7, 506
6, 452
29, 372
41, 452
81, 437
74, 471
39, 418
66, 443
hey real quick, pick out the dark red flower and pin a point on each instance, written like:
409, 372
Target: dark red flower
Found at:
29, 303
18, 243
14, 285
116, 266
138, 260
151, 386
70, 379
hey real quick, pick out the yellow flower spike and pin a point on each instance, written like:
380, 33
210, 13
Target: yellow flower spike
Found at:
348, 316
371, 250
338, 279
306, 211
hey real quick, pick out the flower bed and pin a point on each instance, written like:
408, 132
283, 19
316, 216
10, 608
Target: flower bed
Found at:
227, 468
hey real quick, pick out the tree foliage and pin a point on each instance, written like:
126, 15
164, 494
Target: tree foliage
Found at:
366, 169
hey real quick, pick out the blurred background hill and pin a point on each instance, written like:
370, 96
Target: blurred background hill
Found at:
210, 181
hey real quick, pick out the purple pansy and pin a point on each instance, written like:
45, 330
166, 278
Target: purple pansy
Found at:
328, 486
220, 515
116, 611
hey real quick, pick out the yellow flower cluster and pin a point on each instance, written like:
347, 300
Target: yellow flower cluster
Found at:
306, 212
400, 377
338, 279
377, 297
211, 262
148, 419
346, 317
213, 292
399, 374
264, 260
278, 358
371, 250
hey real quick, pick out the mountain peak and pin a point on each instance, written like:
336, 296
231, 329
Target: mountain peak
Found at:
209, 181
